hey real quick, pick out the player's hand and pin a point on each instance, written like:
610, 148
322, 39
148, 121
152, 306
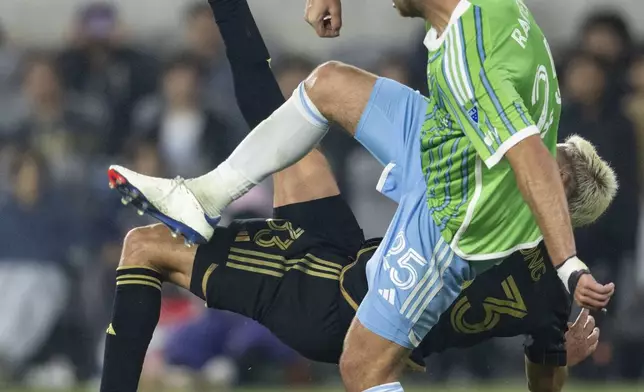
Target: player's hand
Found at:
582, 338
592, 295
325, 16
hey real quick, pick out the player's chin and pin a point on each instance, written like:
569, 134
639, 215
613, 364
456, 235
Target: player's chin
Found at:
405, 10
404, 13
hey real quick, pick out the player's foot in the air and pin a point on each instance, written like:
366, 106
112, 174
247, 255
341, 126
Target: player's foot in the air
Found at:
168, 200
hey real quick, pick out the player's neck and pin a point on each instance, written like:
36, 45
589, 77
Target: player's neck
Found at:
439, 12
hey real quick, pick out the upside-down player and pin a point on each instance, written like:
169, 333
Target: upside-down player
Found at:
295, 274
477, 175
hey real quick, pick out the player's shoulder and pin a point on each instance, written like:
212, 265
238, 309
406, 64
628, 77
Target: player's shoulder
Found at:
504, 23
500, 10
500, 15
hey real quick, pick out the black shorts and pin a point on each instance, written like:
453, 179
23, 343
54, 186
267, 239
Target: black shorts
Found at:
285, 273
296, 275
521, 296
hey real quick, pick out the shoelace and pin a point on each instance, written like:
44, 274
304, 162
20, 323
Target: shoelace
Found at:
176, 183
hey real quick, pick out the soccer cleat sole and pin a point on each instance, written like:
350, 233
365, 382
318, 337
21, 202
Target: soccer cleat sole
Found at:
130, 195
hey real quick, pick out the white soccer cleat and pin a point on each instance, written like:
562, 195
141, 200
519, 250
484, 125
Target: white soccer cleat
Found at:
167, 200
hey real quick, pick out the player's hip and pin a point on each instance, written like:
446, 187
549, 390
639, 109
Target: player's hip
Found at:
521, 296
279, 247
266, 257
413, 276
291, 288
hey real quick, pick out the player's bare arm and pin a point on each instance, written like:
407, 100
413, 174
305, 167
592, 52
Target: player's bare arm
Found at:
538, 178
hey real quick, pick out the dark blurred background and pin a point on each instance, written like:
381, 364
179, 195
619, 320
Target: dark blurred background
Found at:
106, 93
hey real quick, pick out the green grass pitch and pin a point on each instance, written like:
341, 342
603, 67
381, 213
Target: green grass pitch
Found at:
501, 387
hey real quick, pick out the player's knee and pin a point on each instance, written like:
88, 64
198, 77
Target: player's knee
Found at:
359, 373
329, 71
323, 81
369, 360
543, 378
139, 246
545, 386
351, 370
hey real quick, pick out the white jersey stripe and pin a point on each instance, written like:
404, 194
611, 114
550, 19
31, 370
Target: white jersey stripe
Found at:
458, 37
455, 59
447, 69
453, 56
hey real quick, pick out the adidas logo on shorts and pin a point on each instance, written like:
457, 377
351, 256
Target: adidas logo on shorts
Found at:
388, 294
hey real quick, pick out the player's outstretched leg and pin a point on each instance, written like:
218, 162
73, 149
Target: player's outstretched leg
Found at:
149, 257
257, 94
167, 200
333, 92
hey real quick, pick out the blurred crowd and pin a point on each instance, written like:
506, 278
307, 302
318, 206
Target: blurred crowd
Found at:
66, 115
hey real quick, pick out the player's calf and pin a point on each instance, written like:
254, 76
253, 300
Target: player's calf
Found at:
150, 256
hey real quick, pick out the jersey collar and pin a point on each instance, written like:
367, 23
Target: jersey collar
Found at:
432, 40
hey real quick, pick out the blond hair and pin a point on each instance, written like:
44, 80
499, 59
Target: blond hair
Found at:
595, 182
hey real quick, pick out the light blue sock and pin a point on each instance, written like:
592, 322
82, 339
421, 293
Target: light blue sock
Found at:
391, 387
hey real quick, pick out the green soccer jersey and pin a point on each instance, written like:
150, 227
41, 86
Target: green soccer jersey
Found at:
492, 83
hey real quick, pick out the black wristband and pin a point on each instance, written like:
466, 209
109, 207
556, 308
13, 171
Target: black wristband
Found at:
574, 279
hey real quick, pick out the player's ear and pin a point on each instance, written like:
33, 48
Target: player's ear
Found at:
565, 170
565, 178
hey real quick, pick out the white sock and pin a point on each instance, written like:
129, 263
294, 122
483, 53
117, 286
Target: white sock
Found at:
390, 387
278, 142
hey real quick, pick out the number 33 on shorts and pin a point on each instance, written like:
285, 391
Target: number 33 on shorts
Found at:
402, 263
